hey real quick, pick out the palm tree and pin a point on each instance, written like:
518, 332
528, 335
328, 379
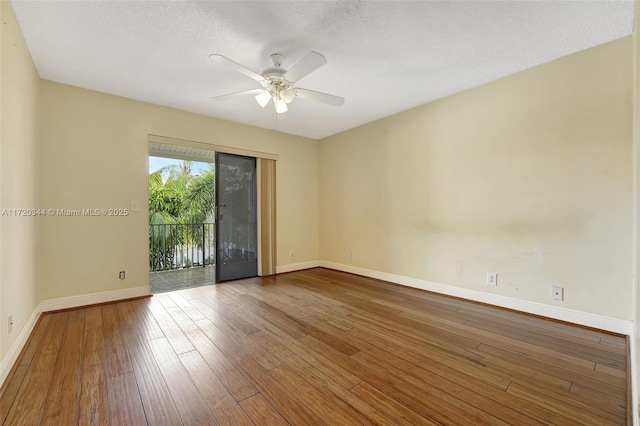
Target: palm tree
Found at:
198, 201
178, 197
164, 209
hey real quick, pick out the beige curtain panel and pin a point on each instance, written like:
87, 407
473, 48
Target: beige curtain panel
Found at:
267, 208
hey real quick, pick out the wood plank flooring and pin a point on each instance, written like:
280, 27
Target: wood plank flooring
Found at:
313, 347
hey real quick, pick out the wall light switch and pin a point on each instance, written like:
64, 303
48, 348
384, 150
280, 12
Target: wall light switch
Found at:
492, 278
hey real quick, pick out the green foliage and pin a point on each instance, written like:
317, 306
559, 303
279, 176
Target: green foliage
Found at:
177, 196
186, 197
198, 201
162, 240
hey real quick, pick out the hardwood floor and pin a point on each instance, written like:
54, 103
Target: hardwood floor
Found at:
313, 347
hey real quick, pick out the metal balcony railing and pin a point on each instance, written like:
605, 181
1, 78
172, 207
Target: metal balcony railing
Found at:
176, 246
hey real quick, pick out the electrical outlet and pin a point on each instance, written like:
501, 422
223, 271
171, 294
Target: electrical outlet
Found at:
292, 255
351, 255
557, 293
10, 323
121, 275
492, 278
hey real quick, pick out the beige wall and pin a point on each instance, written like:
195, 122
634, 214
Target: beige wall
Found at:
19, 91
636, 198
2, 316
94, 155
528, 176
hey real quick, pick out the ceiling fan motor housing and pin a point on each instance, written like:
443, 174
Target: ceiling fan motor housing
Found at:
276, 84
273, 73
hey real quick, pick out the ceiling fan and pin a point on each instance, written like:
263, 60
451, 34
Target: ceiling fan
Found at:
278, 83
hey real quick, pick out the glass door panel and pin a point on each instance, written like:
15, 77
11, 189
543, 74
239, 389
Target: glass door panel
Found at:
236, 217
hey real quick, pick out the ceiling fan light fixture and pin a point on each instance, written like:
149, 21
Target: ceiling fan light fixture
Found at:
281, 106
287, 95
263, 98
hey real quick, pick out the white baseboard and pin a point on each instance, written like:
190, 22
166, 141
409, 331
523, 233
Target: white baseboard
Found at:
601, 322
14, 351
93, 298
281, 269
62, 303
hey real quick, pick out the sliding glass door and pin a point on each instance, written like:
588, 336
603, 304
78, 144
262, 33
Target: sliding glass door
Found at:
236, 217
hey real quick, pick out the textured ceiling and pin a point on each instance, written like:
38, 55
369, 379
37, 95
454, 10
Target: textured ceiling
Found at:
383, 57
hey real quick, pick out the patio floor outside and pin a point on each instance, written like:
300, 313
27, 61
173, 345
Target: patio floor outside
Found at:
179, 279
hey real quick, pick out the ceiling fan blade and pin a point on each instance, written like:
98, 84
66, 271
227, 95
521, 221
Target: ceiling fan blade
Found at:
243, 93
226, 62
312, 95
305, 66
